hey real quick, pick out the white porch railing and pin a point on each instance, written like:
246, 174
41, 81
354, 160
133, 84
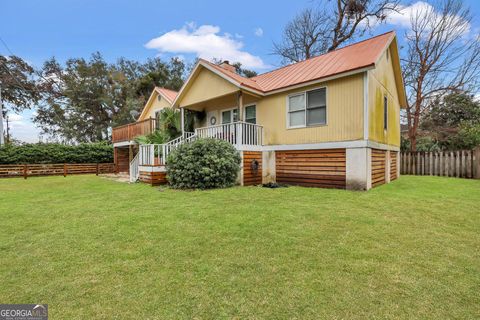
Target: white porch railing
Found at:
156, 154
237, 133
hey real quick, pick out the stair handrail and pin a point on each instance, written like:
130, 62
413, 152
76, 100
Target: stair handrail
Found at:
133, 169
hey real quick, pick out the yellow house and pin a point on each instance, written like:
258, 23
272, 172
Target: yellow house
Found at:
122, 136
329, 121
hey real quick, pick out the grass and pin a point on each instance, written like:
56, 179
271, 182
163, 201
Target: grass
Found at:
97, 249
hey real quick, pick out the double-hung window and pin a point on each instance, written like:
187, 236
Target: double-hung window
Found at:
307, 108
251, 114
229, 116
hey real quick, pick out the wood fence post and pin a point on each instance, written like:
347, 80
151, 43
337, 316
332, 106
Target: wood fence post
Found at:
25, 171
64, 170
97, 170
476, 165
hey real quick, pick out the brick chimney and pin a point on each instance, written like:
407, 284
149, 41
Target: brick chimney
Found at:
227, 66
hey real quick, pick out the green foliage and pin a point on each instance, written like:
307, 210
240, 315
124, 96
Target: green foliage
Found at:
83, 98
156, 137
454, 123
469, 135
170, 122
203, 164
56, 153
17, 82
424, 144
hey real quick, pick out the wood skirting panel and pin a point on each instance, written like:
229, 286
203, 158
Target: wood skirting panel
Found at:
250, 176
121, 159
393, 165
312, 168
378, 167
153, 178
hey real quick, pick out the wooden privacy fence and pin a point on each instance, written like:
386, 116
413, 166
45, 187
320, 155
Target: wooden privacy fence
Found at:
460, 164
35, 170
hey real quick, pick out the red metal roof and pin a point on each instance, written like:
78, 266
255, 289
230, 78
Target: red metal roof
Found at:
167, 93
349, 58
235, 76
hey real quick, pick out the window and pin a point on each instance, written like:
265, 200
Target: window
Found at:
226, 116
251, 114
385, 113
296, 110
316, 107
229, 116
159, 98
157, 118
307, 109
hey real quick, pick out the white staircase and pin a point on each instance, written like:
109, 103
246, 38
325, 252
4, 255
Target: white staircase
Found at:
156, 154
134, 172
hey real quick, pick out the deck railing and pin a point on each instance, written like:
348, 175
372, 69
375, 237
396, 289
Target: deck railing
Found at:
130, 131
156, 154
237, 133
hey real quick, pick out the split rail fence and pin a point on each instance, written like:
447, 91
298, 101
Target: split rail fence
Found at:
35, 170
460, 164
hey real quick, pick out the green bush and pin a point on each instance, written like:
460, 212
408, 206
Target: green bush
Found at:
203, 164
56, 153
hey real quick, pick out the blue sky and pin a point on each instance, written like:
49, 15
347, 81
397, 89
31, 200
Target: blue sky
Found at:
36, 30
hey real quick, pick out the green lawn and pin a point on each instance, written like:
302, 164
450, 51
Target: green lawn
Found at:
97, 249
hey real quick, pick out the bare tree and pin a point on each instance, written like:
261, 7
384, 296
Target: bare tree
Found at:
303, 37
335, 22
440, 58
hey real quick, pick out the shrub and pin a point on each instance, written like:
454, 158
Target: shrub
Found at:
203, 164
56, 153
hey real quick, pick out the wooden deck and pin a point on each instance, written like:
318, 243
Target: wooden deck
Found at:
130, 131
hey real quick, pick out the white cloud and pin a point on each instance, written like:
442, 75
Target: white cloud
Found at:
205, 42
15, 117
21, 126
259, 32
406, 13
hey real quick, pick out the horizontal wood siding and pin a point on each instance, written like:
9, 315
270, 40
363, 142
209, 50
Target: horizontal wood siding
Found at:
393, 165
312, 168
378, 167
153, 178
251, 177
56, 169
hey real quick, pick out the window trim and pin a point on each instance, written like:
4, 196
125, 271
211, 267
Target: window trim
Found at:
385, 112
304, 92
231, 117
245, 112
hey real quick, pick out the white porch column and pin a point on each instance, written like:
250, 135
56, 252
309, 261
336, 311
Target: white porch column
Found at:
182, 120
359, 168
240, 106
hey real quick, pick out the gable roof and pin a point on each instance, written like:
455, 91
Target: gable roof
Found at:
168, 94
352, 58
